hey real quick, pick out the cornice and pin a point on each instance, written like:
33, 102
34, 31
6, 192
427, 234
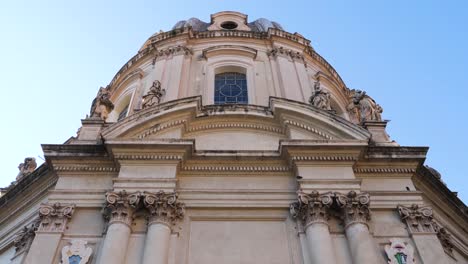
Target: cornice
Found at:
229, 49
384, 170
147, 157
85, 168
236, 125
309, 128
324, 158
159, 127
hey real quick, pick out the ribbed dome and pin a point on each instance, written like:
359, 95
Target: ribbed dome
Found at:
259, 25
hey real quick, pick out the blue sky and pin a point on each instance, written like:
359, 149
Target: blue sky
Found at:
410, 56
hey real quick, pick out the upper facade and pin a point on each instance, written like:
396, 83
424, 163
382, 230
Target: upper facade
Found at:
232, 61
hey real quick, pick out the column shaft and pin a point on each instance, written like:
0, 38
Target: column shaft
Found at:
320, 244
361, 244
157, 244
115, 244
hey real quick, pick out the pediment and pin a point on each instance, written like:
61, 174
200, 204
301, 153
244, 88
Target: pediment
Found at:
238, 127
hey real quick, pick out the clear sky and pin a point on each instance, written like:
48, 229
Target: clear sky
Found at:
410, 56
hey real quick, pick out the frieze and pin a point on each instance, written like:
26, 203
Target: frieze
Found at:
237, 168
159, 127
280, 51
54, 217
236, 125
384, 170
324, 158
147, 157
308, 128
86, 168
355, 207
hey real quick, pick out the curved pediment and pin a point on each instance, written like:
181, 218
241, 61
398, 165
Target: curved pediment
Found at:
236, 127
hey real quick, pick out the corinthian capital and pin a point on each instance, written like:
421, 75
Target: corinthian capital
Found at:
312, 208
418, 218
120, 206
54, 217
355, 207
163, 207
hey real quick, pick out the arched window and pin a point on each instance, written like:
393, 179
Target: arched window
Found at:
123, 113
230, 88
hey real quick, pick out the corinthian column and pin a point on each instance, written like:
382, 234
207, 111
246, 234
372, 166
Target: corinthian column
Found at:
119, 211
164, 211
312, 210
53, 221
356, 214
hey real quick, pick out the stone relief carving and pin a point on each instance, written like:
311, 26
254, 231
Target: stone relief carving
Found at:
54, 217
320, 98
76, 253
363, 108
445, 238
163, 207
171, 51
25, 168
399, 252
120, 206
418, 218
154, 95
280, 51
102, 105
312, 208
25, 236
355, 207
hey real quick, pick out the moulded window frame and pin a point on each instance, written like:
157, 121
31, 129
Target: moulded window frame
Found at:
221, 64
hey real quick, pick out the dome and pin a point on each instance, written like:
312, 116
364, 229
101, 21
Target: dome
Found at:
259, 25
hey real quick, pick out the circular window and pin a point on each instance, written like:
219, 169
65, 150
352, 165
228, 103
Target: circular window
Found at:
229, 25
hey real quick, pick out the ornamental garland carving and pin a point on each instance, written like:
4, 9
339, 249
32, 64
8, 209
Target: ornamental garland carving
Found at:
171, 51
399, 252
445, 238
320, 98
355, 207
280, 51
163, 207
154, 95
25, 236
54, 217
76, 253
363, 108
312, 208
120, 206
418, 218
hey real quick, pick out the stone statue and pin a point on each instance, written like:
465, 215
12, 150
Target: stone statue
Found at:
363, 107
102, 105
320, 98
25, 168
153, 97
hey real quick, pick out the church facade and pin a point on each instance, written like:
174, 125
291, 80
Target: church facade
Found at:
231, 141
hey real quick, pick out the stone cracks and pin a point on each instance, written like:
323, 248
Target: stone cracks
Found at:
161, 207
54, 218
315, 207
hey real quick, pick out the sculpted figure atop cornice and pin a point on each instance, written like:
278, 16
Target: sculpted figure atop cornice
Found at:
54, 217
355, 207
418, 218
102, 105
363, 108
163, 207
320, 98
120, 206
25, 168
153, 97
312, 208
